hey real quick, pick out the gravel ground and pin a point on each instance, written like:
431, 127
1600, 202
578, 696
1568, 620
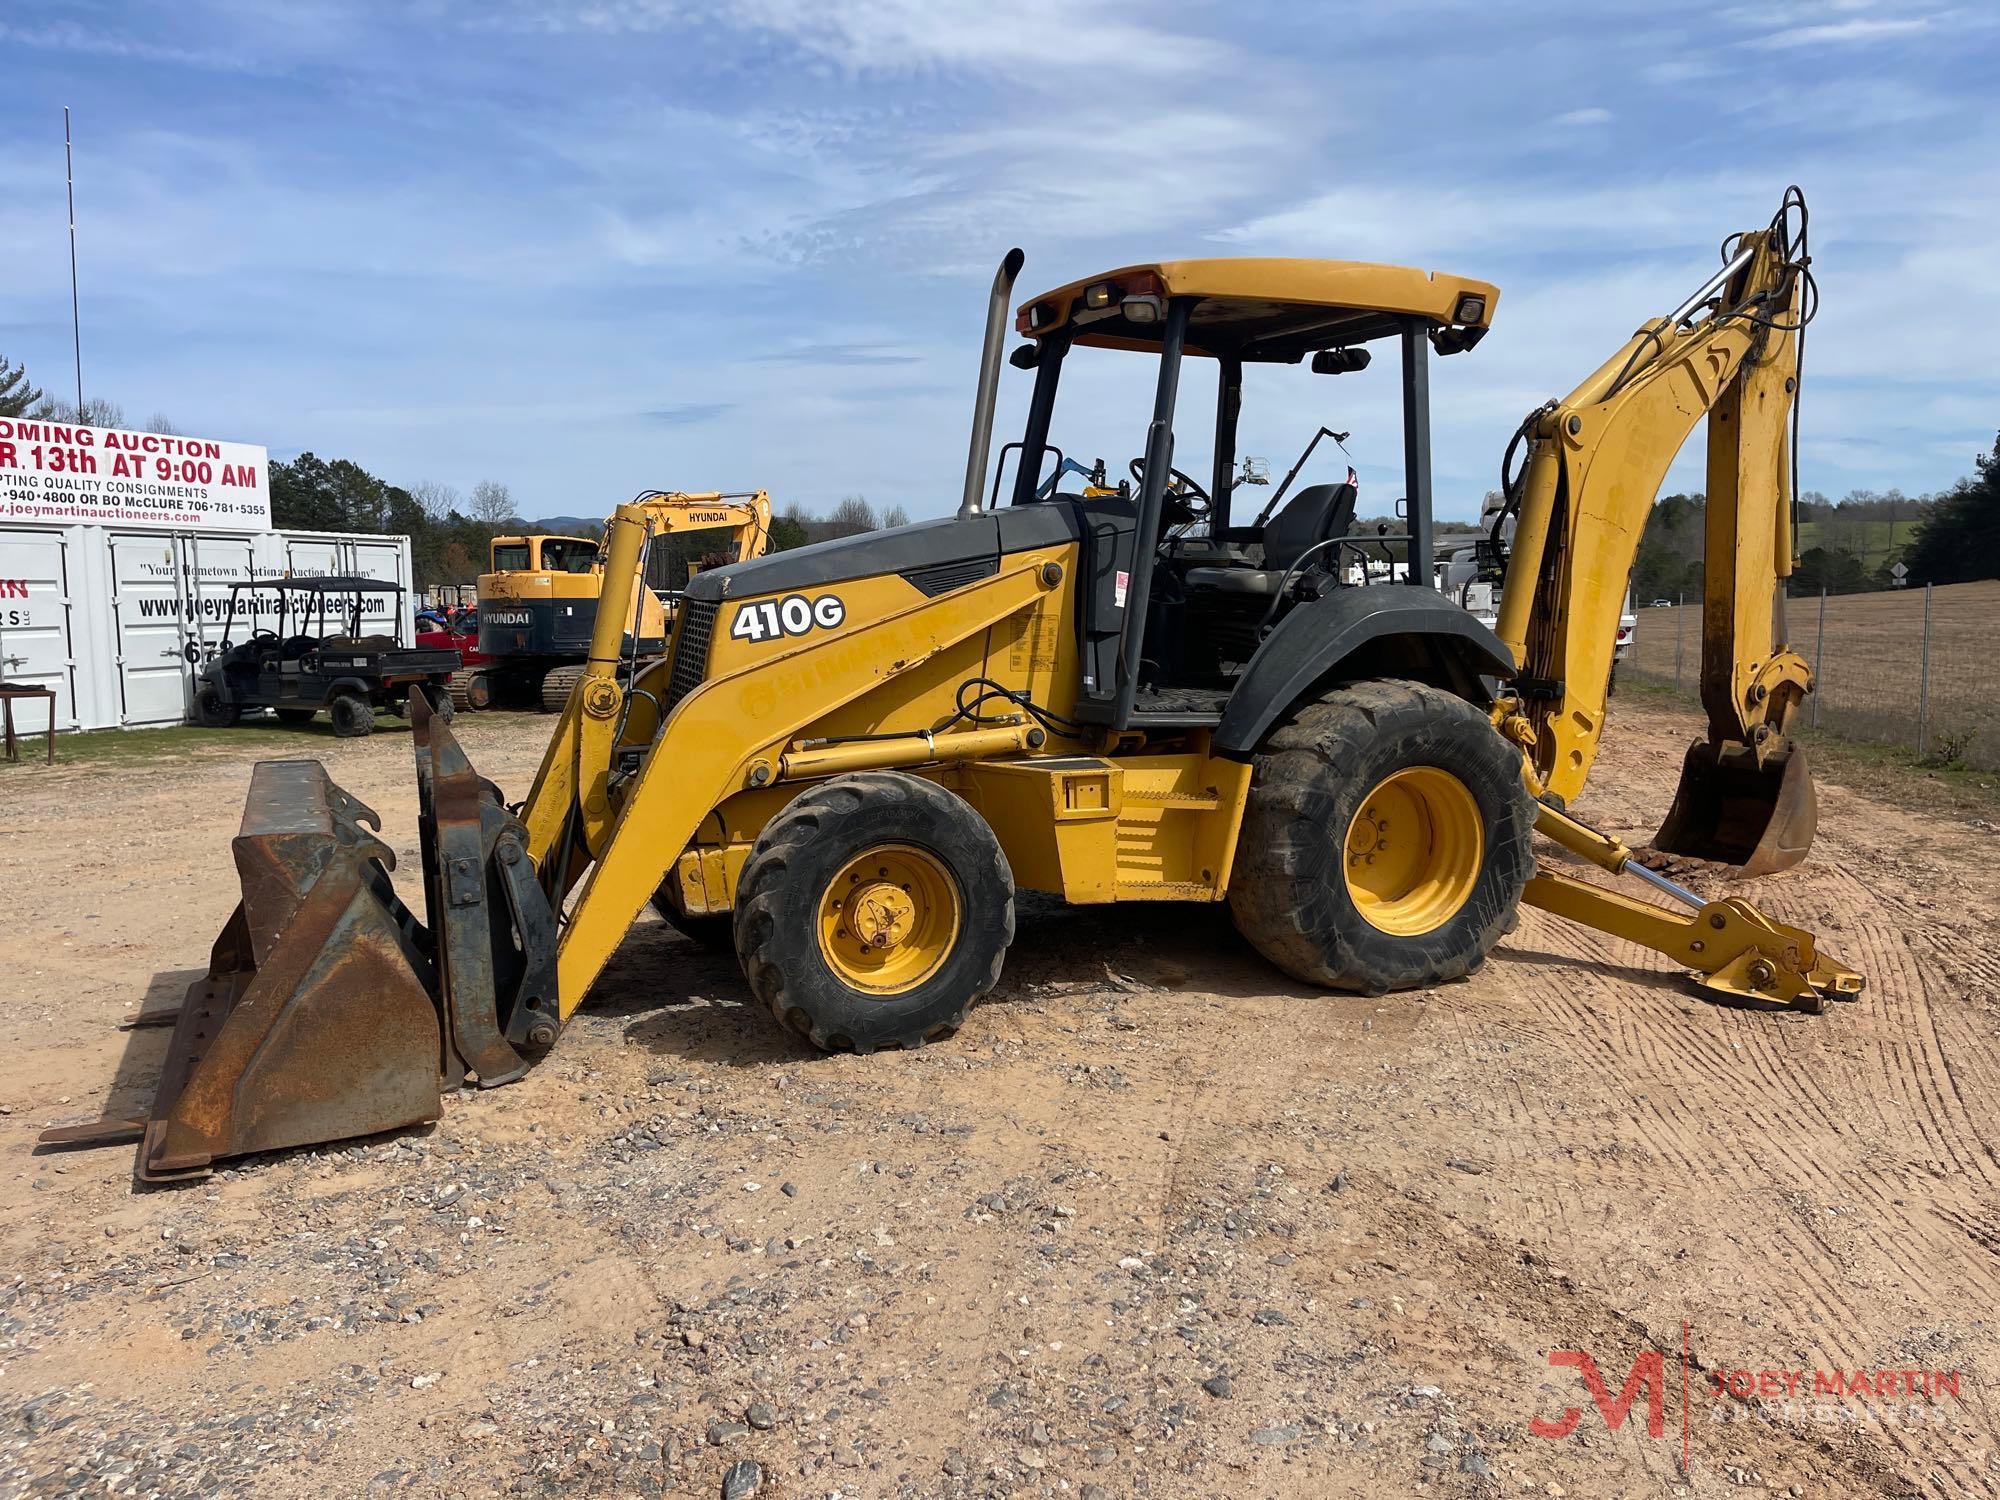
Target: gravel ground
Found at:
1157, 1222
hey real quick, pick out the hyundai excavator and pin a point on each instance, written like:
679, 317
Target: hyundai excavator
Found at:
854, 754
538, 603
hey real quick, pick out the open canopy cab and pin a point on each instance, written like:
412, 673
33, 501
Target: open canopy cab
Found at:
329, 651
1198, 587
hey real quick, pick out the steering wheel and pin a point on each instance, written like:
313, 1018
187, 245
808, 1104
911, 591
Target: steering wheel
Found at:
262, 638
1176, 509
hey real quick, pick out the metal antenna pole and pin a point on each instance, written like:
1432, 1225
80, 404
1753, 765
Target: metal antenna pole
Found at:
75, 319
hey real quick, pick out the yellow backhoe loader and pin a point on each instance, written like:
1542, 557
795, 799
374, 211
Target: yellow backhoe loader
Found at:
855, 753
538, 603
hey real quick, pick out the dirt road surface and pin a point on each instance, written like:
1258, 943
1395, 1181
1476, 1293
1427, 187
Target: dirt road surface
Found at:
1156, 1223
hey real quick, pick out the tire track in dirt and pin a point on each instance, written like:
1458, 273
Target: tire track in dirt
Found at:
1764, 1075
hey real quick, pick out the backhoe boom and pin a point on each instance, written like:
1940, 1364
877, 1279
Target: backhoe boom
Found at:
1595, 462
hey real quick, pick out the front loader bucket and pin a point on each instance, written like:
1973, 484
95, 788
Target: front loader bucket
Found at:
328, 1010
1730, 810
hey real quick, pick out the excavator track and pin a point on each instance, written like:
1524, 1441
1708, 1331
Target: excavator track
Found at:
557, 685
471, 688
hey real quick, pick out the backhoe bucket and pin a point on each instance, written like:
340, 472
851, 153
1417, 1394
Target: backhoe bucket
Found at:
328, 1010
1755, 819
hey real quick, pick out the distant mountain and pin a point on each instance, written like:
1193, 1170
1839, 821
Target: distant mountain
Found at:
568, 525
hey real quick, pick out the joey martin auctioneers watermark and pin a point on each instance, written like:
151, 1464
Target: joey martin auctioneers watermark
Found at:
1789, 1396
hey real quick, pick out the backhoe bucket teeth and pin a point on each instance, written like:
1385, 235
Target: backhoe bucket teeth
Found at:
1755, 819
329, 1010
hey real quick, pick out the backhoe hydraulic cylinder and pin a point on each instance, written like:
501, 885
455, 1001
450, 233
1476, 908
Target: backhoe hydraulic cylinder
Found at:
624, 539
1531, 539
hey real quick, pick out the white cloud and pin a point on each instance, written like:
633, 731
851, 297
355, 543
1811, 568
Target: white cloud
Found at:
1841, 33
1591, 116
1031, 41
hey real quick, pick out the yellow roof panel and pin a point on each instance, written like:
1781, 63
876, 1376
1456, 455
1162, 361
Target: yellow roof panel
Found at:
1268, 307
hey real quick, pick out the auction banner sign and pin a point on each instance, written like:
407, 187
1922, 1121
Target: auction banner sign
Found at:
66, 474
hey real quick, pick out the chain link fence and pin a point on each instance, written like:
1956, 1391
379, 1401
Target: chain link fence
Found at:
1918, 668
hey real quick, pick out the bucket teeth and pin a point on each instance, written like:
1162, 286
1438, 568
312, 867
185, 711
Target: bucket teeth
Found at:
328, 1010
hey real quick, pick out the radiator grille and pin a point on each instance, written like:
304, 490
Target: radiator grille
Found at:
697, 623
942, 578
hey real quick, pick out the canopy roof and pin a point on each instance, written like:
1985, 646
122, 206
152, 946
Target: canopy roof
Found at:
1266, 308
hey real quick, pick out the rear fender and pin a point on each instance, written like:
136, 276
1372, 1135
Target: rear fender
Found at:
1396, 630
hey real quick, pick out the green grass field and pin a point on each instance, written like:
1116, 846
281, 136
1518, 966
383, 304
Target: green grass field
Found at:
1871, 541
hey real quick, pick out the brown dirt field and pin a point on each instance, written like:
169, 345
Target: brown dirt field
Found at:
1008, 1264
1868, 681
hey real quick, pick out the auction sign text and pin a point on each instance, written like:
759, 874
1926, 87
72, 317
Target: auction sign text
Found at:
64, 473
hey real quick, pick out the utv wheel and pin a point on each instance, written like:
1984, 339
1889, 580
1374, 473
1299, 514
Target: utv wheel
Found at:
213, 711
439, 700
295, 715
1386, 839
352, 717
873, 912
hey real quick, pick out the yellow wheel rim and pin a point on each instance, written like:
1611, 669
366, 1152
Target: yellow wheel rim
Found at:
888, 919
1413, 851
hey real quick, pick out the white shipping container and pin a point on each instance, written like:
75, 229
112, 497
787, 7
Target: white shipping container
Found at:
119, 621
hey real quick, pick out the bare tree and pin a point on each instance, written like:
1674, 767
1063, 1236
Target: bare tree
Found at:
95, 412
850, 517
491, 502
893, 517
161, 423
438, 500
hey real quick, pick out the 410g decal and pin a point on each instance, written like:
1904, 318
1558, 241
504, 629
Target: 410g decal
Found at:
795, 614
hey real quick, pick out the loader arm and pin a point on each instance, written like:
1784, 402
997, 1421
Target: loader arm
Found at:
1593, 466
724, 736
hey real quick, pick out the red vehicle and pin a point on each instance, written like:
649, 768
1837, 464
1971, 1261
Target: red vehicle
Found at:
457, 631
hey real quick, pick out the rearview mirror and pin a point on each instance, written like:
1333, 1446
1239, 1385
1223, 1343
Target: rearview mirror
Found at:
1339, 361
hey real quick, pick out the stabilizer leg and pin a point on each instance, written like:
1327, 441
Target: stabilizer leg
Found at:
1729, 947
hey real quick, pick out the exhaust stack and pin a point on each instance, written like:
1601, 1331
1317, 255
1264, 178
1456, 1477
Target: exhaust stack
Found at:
997, 305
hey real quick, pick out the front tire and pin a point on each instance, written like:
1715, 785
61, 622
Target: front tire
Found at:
213, 711
353, 716
1386, 841
874, 911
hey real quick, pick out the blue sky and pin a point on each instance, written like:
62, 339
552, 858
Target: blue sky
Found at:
584, 248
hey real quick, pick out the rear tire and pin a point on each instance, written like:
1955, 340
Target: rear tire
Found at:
874, 910
353, 717
213, 711
1335, 891
439, 698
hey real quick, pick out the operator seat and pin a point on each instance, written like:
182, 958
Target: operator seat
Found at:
1315, 514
